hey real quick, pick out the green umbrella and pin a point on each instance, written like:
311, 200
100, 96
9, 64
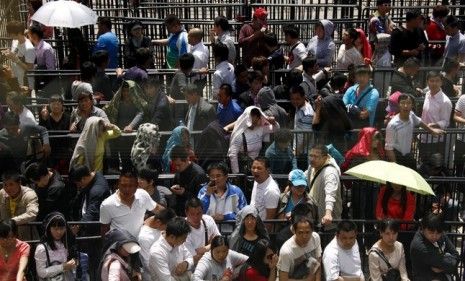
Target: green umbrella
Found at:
382, 171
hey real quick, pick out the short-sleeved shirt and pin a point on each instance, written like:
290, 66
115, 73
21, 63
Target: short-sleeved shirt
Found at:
120, 216
340, 262
265, 195
224, 74
399, 133
9, 268
26, 53
455, 46
297, 55
460, 110
196, 237
109, 42
177, 45
292, 254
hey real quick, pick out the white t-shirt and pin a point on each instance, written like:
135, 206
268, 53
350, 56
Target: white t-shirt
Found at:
339, 262
26, 117
27, 54
120, 216
292, 254
460, 110
224, 73
265, 195
399, 133
147, 237
299, 53
196, 237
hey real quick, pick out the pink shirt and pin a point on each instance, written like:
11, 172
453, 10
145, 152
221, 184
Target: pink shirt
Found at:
436, 109
9, 268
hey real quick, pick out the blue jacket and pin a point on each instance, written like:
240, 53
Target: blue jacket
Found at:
234, 202
368, 102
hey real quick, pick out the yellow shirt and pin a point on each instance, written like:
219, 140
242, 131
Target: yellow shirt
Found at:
100, 148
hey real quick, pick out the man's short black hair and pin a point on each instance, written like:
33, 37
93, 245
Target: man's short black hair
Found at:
10, 119
271, 39
78, 172
165, 215
12, 175
346, 226
222, 22
37, 30
227, 89
302, 219
148, 174
291, 31
221, 51
294, 77
255, 75
309, 62
411, 62
186, 61
193, 203
362, 70
440, 11
433, 222
218, 166
449, 65
179, 152
298, 90
263, 160
105, 21
100, 58
172, 19
322, 148
353, 34
451, 21
192, 88
338, 80
142, 56
382, 2
433, 74
406, 97
177, 227
283, 135
239, 69
412, 14
35, 171
128, 172
88, 70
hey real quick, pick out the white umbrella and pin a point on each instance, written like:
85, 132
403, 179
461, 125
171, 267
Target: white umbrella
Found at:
65, 14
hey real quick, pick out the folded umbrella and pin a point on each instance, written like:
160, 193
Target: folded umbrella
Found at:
383, 171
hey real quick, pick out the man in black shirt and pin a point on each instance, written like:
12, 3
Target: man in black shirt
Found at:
187, 180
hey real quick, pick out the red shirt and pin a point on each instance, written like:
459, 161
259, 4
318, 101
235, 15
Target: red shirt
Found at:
394, 207
9, 268
251, 274
436, 33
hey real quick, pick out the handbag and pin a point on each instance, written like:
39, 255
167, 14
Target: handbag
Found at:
353, 111
60, 276
245, 161
393, 274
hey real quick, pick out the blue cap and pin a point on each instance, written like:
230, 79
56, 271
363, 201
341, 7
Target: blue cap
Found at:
298, 178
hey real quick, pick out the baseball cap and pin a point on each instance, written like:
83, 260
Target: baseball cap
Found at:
297, 178
393, 103
131, 247
260, 13
136, 26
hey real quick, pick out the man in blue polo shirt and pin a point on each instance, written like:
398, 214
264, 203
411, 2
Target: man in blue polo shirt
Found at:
228, 109
107, 41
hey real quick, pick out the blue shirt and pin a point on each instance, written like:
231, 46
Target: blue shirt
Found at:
455, 46
228, 114
281, 161
177, 45
109, 42
368, 102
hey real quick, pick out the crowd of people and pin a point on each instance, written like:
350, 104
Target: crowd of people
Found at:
202, 224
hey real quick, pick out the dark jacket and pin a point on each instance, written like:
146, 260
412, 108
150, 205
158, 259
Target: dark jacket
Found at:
130, 51
204, 115
160, 112
191, 179
211, 145
402, 83
53, 198
93, 194
424, 255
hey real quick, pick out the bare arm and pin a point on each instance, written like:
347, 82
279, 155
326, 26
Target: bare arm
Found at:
391, 156
22, 268
162, 42
104, 228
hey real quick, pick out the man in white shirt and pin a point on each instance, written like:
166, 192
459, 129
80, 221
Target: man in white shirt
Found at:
224, 71
265, 192
150, 233
22, 53
348, 54
170, 260
297, 51
303, 117
300, 256
125, 209
399, 133
200, 53
15, 102
437, 109
341, 258
202, 229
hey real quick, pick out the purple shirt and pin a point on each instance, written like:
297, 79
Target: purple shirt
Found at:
45, 56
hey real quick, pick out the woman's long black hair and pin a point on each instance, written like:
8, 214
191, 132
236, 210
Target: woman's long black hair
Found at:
68, 239
387, 195
258, 255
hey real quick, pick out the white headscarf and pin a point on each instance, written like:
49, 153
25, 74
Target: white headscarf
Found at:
87, 142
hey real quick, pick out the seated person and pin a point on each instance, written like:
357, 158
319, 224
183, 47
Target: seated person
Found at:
54, 116
300, 256
219, 263
295, 193
280, 154
169, 257
249, 230
341, 258
433, 255
15, 102
228, 108
147, 180
221, 199
84, 110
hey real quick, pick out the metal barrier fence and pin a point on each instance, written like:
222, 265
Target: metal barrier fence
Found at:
366, 237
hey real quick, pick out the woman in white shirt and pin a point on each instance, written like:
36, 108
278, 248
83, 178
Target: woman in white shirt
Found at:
387, 249
253, 126
56, 256
219, 263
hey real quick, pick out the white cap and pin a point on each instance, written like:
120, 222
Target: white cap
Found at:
131, 247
